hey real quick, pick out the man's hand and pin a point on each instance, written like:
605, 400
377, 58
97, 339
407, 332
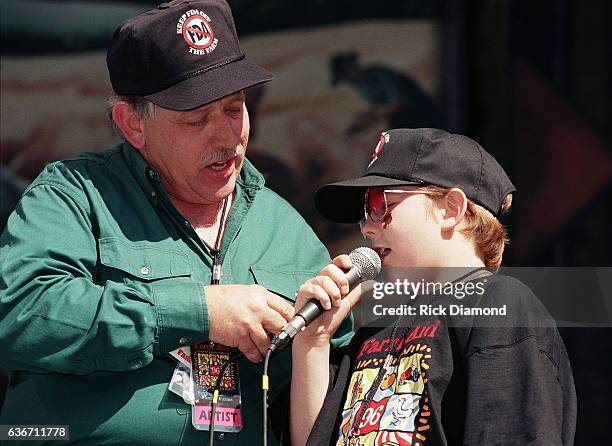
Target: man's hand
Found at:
242, 316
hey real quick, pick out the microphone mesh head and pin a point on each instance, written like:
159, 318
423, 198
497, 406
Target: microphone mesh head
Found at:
367, 261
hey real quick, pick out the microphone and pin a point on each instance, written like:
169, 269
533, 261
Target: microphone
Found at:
366, 266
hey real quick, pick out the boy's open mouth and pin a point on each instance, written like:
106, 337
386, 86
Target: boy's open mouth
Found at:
382, 252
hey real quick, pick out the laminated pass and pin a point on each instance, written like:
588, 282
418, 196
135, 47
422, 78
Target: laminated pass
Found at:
182, 355
207, 361
181, 382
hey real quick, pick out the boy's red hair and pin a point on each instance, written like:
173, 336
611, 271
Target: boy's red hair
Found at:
487, 232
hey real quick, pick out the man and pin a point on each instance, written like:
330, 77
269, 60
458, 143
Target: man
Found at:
430, 203
169, 239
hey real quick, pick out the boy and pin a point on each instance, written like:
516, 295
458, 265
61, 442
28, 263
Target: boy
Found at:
429, 203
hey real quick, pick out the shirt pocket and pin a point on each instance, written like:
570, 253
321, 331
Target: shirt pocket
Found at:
141, 261
283, 282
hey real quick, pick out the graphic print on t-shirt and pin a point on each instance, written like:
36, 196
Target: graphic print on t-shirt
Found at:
398, 412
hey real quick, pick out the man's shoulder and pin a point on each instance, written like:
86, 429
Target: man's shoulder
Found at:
274, 204
83, 176
99, 158
274, 199
264, 198
84, 165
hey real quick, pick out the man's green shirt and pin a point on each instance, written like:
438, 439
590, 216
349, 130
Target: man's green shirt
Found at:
101, 277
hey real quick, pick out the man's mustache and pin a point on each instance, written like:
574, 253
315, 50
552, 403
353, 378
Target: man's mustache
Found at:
222, 155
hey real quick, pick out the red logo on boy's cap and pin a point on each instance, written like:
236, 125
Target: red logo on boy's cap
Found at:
384, 137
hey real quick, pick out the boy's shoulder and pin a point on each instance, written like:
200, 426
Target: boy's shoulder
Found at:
523, 317
519, 300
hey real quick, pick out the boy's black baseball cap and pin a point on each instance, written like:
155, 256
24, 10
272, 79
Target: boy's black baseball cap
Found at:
420, 157
181, 55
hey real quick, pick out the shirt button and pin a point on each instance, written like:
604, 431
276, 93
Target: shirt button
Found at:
186, 223
153, 194
221, 436
184, 341
144, 270
150, 173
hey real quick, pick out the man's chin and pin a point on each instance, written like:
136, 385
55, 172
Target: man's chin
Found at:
226, 189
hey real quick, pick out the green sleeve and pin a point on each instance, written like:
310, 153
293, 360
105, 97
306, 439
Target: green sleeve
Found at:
55, 317
345, 333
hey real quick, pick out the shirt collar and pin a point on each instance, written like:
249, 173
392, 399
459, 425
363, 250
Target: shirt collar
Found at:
145, 174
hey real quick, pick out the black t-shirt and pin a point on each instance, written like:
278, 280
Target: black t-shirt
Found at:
454, 379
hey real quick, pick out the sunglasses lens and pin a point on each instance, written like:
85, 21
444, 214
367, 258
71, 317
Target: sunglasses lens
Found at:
376, 205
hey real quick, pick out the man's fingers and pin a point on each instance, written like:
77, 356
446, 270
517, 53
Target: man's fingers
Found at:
260, 339
272, 322
250, 350
280, 305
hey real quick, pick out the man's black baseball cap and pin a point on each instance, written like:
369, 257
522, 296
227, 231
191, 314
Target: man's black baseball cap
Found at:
181, 55
420, 157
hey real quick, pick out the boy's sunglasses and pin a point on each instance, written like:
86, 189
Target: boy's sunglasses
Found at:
375, 206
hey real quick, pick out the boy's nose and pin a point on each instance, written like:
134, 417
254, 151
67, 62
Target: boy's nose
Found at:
369, 229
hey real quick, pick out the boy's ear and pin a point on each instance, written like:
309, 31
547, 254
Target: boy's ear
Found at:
455, 205
130, 124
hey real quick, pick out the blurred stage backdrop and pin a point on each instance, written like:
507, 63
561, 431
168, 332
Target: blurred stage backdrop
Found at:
531, 81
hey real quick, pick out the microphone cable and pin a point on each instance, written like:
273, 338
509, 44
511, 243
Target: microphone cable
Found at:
215, 397
264, 388
366, 266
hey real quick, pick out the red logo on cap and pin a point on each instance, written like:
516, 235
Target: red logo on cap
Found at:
198, 32
384, 137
